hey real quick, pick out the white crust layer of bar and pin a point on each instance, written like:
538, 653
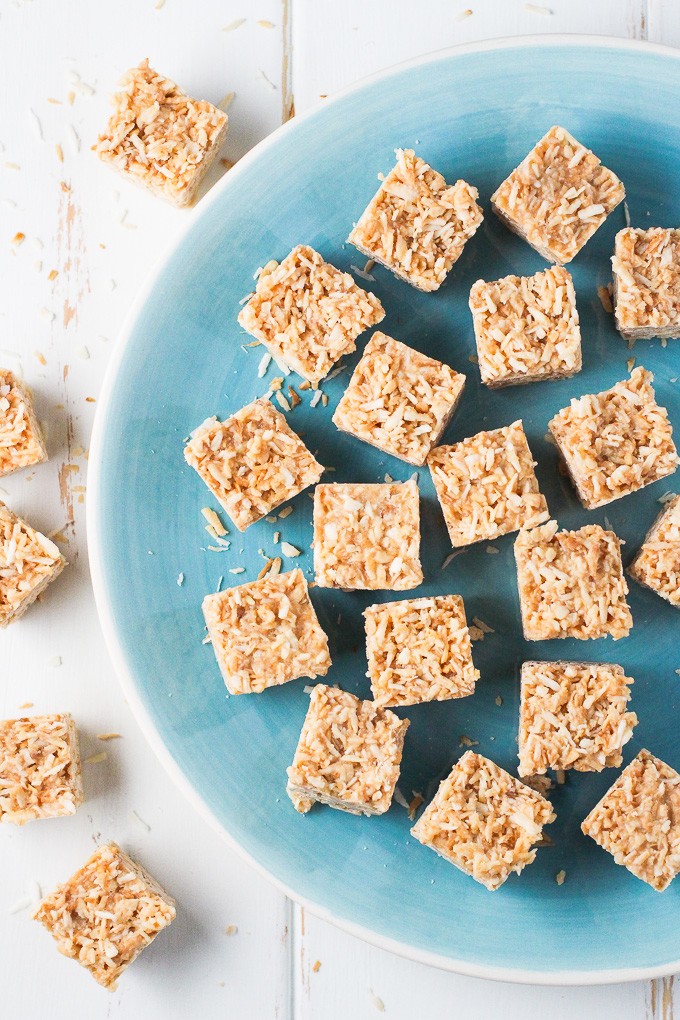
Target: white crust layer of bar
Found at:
307, 313
348, 755
646, 265
367, 536
526, 328
638, 821
106, 914
419, 650
399, 400
657, 562
252, 462
39, 768
266, 633
28, 563
486, 485
21, 441
571, 583
417, 225
160, 137
573, 715
484, 821
615, 442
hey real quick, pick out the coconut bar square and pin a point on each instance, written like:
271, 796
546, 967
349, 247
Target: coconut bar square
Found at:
21, 441
106, 914
399, 400
638, 821
28, 563
252, 462
307, 313
160, 137
266, 633
348, 755
646, 267
526, 328
417, 225
419, 650
484, 821
367, 536
571, 583
657, 563
572, 715
39, 768
615, 442
486, 485
558, 196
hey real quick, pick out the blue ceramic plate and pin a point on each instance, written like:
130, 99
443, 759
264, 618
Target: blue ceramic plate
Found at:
473, 113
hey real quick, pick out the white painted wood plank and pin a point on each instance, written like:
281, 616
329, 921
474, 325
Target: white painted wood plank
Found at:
663, 22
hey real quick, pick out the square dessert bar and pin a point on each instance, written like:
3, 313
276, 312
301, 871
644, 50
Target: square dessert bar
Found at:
571, 583
486, 485
106, 914
484, 821
526, 328
399, 400
558, 196
367, 536
266, 633
572, 715
419, 650
638, 821
646, 266
615, 442
417, 225
657, 563
160, 137
348, 755
28, 562
307, 313
252, 462
39, 768
21, 441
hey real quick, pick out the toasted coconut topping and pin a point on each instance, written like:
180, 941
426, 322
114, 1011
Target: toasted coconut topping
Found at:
573, 716
106, 914
160, 137
348, 755
638, 821
308, 313
646, 266
21, 441
417, 225
657, 564
558, 196
571, 583
28, 562
419, 650
617, 441
39, 768
484, 821
526, 327
252, 462
266, 633
367, 536
399, 400
486, 485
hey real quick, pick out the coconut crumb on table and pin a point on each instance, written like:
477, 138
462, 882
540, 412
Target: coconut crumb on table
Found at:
40, 774
615, 442
417, 225
160, 137
558, 196
657, 562
399, 400
28, 563
348, 755
21, 441
646, 266
484, 821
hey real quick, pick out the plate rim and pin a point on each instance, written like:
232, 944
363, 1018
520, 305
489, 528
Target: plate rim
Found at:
124, 671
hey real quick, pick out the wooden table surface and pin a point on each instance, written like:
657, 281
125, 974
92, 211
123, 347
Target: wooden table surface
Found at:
58, 64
